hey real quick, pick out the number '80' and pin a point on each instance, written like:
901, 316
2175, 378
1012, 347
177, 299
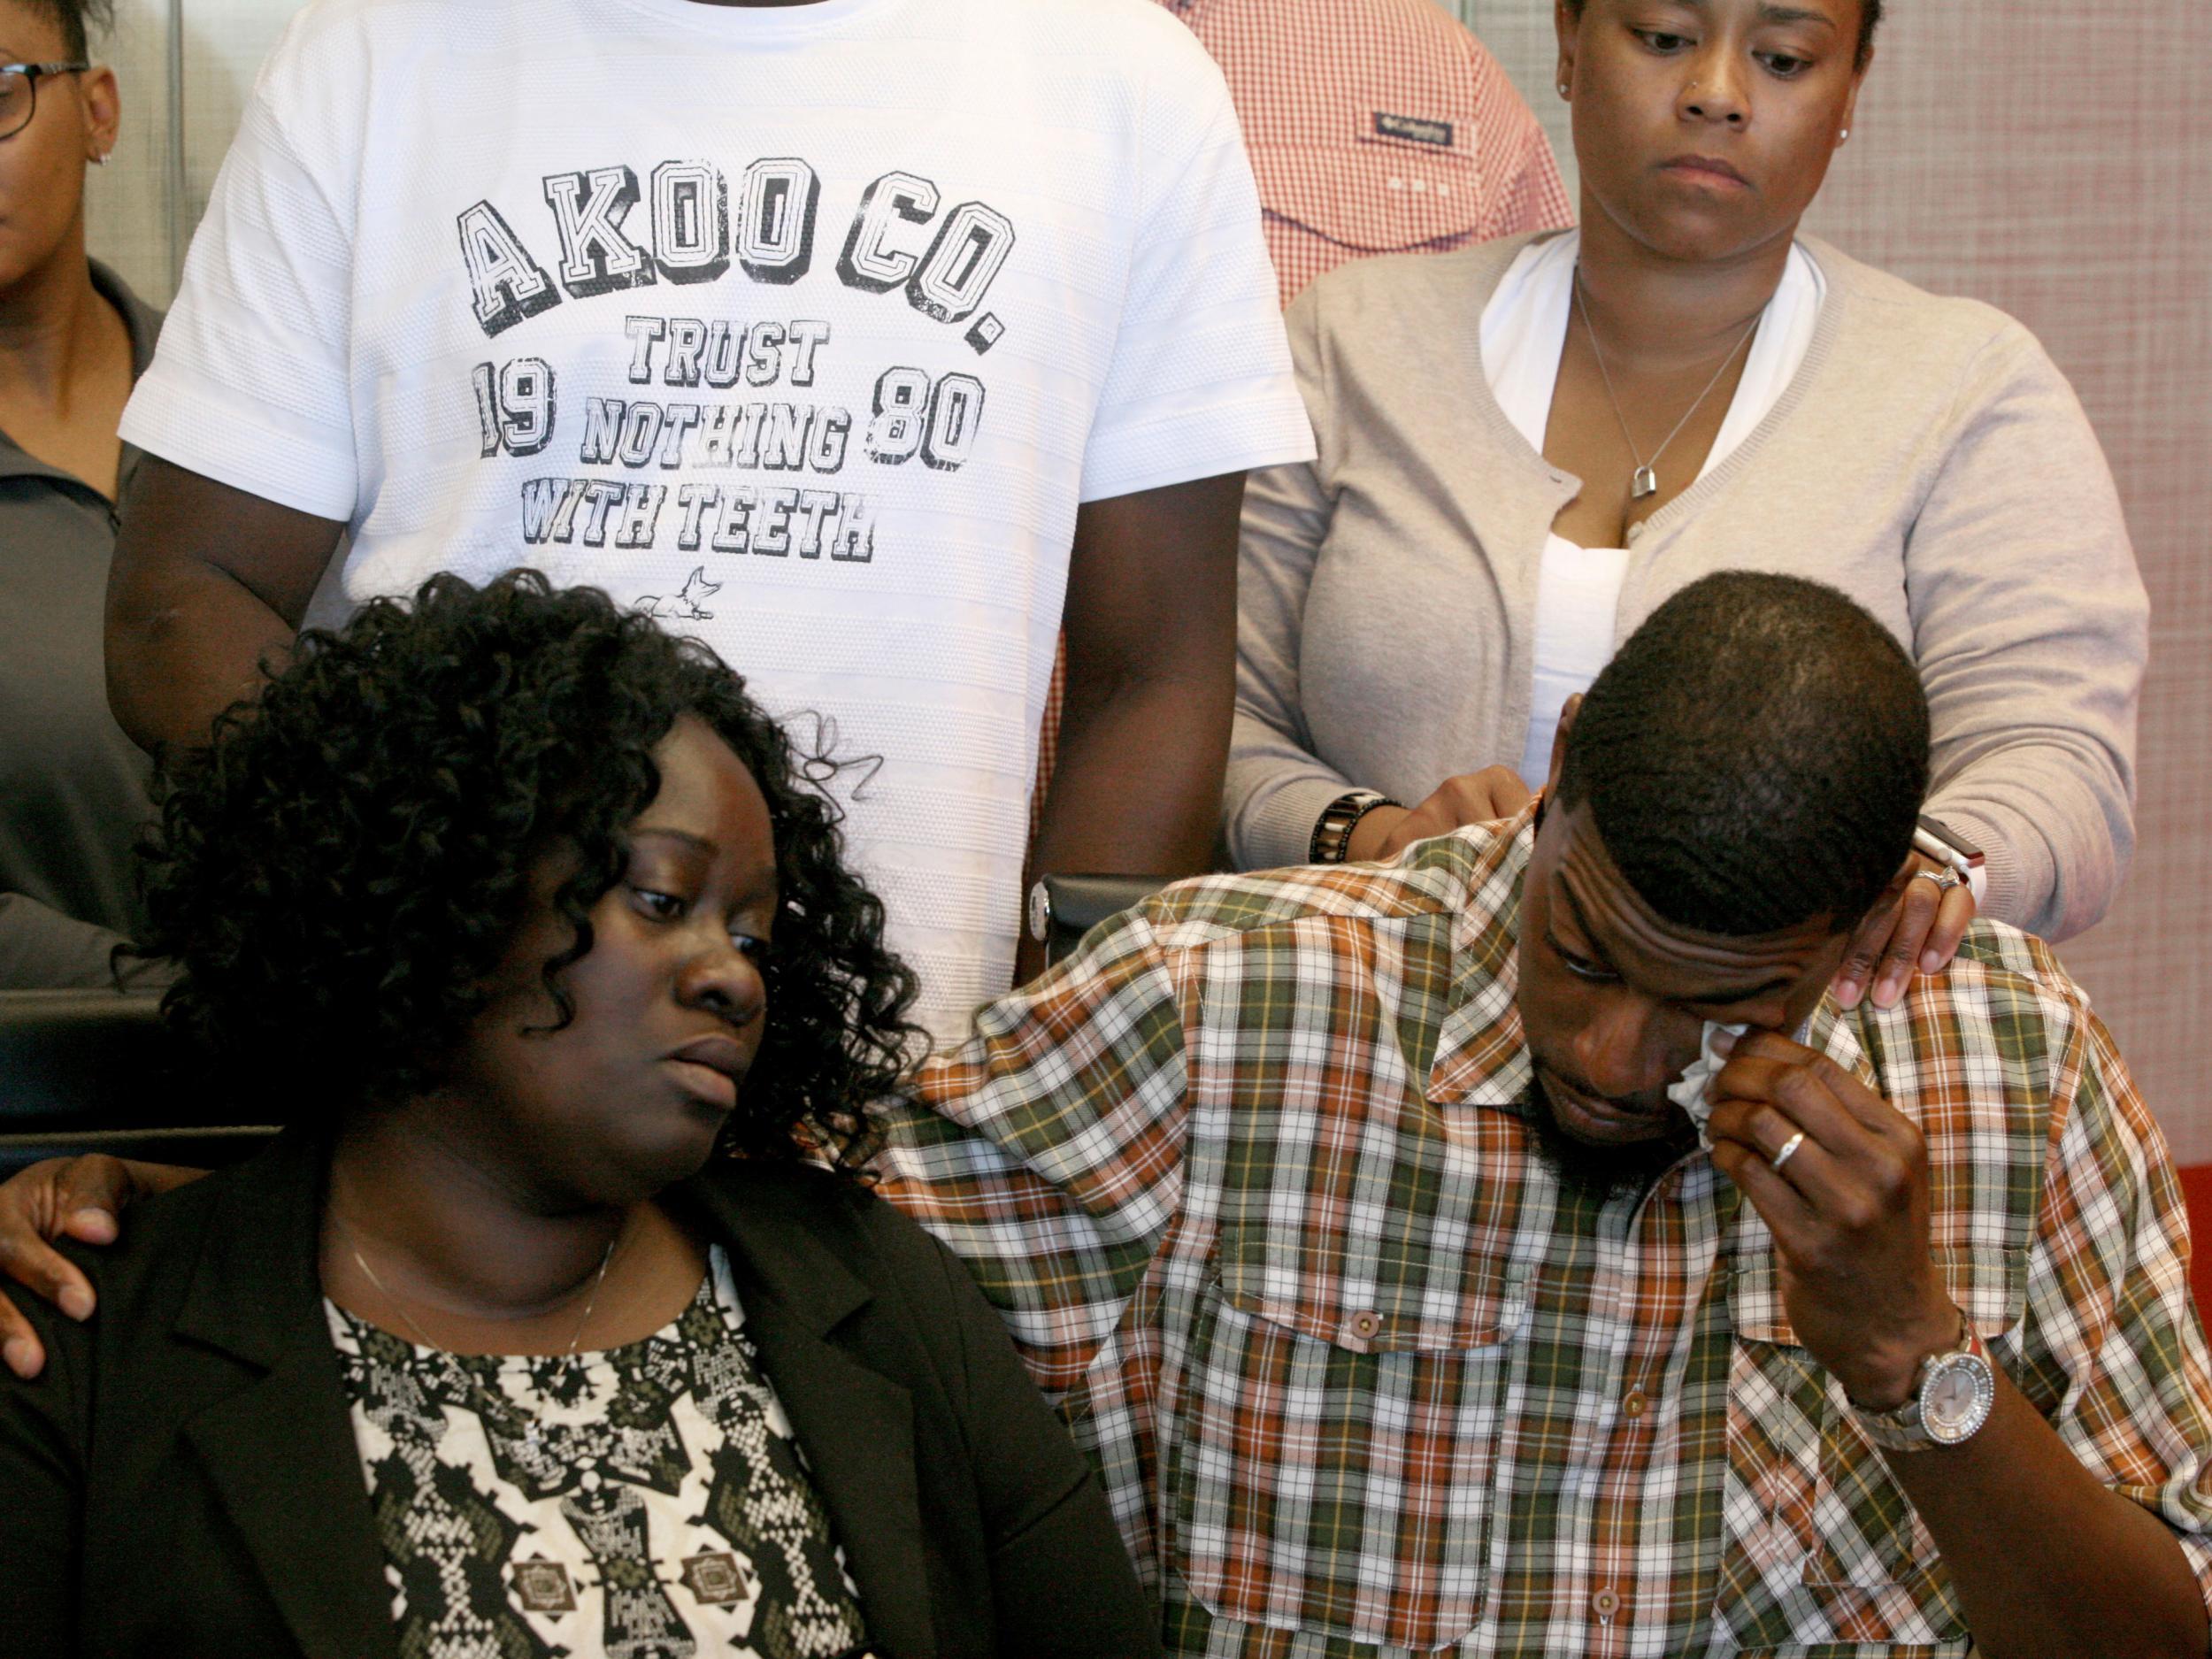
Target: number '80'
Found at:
939, 421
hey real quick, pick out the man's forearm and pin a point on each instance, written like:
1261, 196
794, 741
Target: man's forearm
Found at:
1151, 634
1138, 787
208, 583
2049, 1563
179, 655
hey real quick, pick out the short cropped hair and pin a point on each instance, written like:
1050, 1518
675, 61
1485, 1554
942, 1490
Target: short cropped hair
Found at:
1870, 20
1754, 757
342, 871
79, 21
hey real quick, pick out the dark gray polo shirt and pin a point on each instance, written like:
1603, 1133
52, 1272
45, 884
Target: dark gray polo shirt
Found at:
73, 787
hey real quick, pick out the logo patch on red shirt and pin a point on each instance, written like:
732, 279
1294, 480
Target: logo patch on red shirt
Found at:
1413, 127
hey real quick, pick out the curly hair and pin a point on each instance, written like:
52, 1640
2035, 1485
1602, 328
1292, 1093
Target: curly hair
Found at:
341, 870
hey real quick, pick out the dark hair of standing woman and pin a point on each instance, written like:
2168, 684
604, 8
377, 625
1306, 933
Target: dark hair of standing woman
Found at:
79, 20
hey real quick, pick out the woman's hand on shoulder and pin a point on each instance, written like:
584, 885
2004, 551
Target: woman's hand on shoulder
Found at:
1914, 928
1473, 798
76, 1198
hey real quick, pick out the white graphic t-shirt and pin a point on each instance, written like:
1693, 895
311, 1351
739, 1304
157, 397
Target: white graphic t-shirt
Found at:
806, 328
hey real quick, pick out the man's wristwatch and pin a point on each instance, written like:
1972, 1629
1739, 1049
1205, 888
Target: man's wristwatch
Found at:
1951, 1398
1333, 830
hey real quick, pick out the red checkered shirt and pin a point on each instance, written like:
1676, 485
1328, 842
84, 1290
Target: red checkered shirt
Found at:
1251, 1179
1376, 126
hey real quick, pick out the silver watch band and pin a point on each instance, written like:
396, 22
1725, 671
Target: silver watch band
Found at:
1953, 1394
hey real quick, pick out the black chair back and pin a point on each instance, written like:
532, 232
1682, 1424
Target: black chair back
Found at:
97, 1071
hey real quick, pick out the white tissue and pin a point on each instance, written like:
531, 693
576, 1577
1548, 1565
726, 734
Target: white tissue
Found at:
1689, 1092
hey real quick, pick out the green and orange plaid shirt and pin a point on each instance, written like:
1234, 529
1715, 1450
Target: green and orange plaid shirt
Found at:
1251, 1179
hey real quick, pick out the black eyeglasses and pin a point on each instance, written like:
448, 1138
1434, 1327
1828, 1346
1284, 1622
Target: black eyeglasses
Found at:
19, 92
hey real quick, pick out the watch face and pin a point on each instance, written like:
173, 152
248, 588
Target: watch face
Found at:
1955, 1399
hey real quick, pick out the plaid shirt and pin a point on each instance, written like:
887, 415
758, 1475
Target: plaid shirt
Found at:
1375, 127
1251, 1180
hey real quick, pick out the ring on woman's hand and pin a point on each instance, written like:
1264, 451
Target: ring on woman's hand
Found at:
1788, 1151
1945, 878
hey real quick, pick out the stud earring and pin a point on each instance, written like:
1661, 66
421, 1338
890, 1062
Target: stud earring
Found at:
100, 160
1844, 137
1564, 90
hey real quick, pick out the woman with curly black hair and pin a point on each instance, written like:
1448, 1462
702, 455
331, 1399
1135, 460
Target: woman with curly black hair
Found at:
559, 1318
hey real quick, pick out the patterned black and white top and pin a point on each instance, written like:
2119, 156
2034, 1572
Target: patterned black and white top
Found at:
642, 1502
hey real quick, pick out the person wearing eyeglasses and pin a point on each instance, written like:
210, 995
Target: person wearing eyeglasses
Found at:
72, 340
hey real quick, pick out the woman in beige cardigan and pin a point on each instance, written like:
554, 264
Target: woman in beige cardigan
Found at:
1525, 447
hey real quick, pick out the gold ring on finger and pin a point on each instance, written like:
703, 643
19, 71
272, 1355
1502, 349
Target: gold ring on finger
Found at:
1788, 1151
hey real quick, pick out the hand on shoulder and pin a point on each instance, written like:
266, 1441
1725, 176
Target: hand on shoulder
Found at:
76, 1198
1475, 797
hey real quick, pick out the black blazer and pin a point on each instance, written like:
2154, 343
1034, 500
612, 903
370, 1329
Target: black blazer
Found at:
184, 1480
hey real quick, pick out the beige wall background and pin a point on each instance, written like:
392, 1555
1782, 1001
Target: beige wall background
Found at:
2054, 159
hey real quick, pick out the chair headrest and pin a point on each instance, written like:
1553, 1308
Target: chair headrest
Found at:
75, 1058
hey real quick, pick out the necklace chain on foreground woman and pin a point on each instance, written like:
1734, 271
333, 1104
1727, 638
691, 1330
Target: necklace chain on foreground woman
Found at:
500, 1409
1645, 480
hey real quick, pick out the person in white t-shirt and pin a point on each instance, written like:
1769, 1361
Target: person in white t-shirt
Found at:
853, 336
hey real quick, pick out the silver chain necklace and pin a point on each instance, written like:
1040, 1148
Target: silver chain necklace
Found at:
501, 1409
1645, 480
